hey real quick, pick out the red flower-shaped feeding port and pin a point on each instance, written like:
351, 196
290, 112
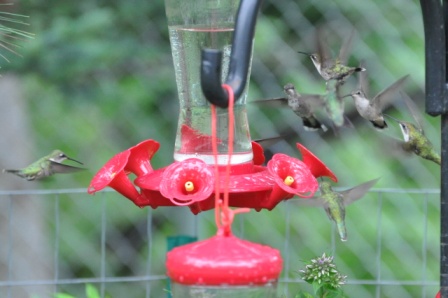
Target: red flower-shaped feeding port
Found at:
115, 172
292, 176
192, 182
187, 182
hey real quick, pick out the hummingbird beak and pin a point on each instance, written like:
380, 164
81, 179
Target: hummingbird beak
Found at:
308, 54
390, 117
347, 95
69, 158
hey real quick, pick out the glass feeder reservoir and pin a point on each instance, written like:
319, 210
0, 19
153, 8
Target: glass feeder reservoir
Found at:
193, 26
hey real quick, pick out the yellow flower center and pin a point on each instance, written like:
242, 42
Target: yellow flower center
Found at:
289, 180
189, 186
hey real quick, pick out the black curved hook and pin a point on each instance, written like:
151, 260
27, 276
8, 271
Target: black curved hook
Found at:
239, 58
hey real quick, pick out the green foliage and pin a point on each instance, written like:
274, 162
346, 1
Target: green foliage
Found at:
63, 295
9, 35
323, 275
303, 295
91, 292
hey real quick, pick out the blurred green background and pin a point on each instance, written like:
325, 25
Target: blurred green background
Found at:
98, 78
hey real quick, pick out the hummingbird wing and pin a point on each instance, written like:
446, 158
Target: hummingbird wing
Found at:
384, 98
322, 48
394, 146
413, 109
312, 202
345, 48
57, 167
314, 101
273, 102
357, 192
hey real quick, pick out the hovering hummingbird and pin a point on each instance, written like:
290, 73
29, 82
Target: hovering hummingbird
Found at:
414, 137
46, 166
372, 110
334, 202
334, 106
302, 105
329, 68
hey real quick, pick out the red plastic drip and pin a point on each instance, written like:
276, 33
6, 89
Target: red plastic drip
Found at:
224, 259
223, 214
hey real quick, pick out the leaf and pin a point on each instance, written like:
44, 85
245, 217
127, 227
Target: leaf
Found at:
317, 287
63, 295
303, 295
92, 291
333, 293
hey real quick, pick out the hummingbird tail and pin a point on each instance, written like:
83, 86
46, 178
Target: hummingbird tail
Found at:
379, 124
435, 158
312, 124
358, 69
15, 172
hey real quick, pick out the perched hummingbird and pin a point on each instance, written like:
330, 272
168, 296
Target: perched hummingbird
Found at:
414, 137
334, 202
46, 166
329, 68
372, 110
302, 105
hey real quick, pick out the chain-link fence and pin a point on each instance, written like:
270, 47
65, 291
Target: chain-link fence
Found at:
122, 250
98, 78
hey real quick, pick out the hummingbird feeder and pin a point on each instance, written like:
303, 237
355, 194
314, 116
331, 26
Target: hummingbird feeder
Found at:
216, 165
189, 180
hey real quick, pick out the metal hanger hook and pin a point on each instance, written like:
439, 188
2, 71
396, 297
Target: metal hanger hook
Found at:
243, 36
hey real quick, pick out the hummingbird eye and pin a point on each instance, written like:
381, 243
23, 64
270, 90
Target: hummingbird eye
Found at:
403, 127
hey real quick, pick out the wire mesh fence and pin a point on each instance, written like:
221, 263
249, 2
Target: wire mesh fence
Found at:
123, 250
117, 87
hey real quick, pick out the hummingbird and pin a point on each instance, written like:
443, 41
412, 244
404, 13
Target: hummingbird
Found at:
334, 202
302, 105
372, 110
329, 68
414, 139
46, 166
334, 106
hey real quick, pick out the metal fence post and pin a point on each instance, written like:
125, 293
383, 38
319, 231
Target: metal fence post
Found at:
435, 16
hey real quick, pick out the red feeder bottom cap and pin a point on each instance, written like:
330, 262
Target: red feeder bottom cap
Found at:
224, 260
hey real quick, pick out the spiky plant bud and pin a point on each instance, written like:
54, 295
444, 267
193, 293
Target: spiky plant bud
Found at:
323, 271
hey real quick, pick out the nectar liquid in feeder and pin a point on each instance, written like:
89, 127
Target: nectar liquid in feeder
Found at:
193, 27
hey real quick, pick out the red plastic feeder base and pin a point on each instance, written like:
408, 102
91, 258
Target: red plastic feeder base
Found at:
224, 260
